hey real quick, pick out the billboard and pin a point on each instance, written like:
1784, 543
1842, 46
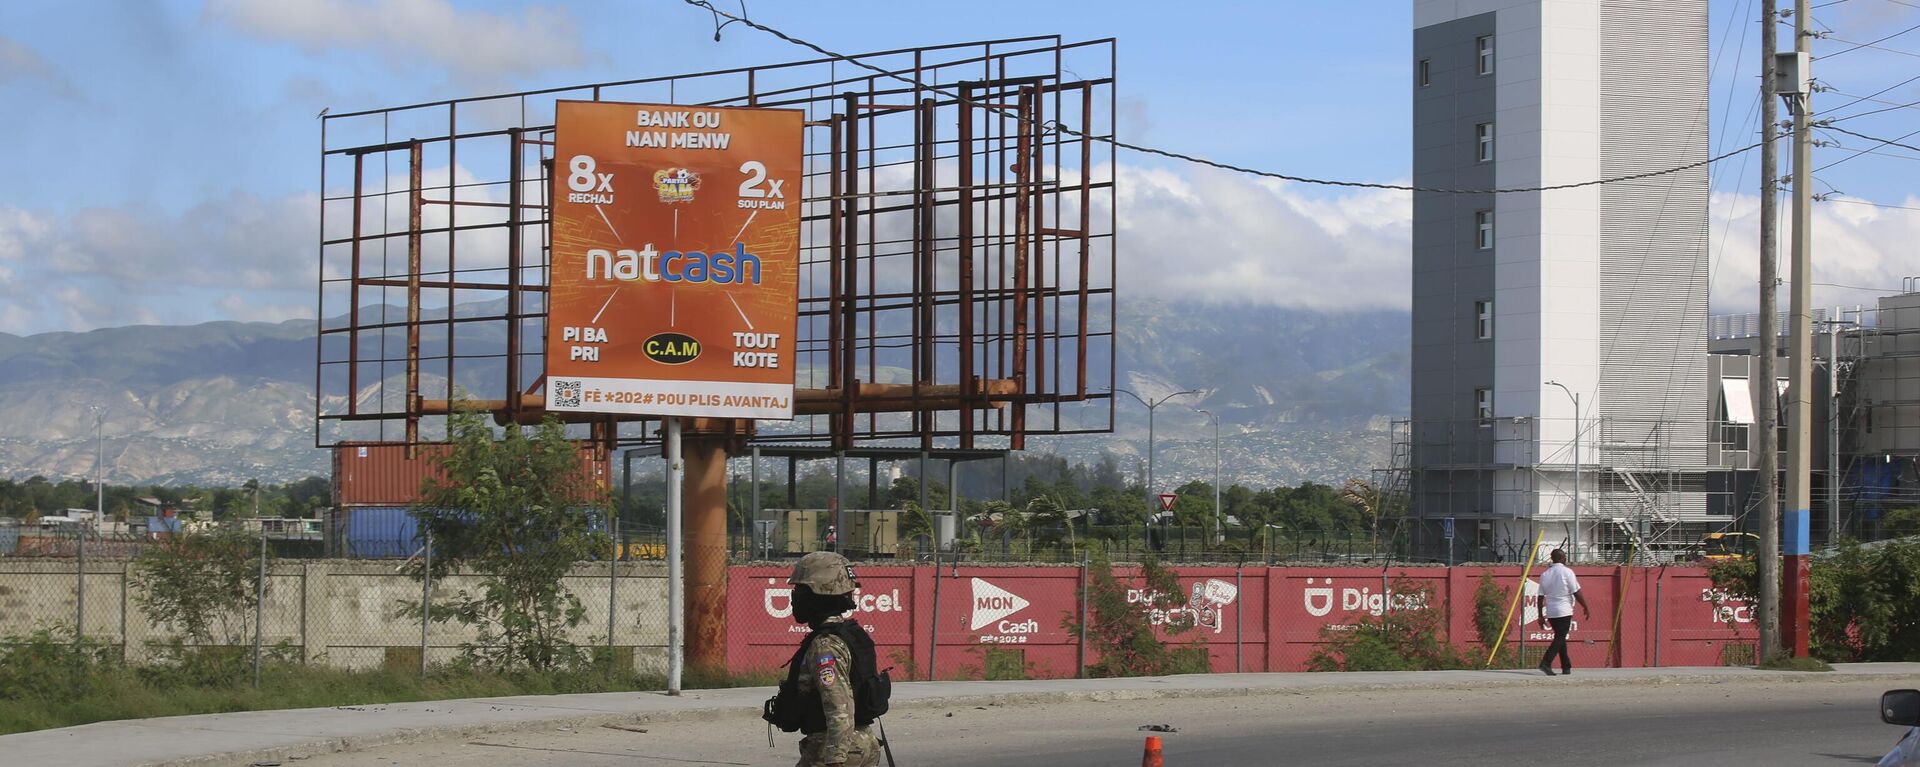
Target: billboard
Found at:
674, 271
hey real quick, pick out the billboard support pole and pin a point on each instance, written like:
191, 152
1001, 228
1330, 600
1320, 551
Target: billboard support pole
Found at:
933, 633
676, 615
704, 548
839, 499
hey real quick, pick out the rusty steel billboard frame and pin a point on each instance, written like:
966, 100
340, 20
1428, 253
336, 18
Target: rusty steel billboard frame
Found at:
957, 254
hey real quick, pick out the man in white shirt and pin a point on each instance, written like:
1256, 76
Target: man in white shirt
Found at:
1559, 590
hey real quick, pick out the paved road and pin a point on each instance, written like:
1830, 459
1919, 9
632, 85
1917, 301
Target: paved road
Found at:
1735, 722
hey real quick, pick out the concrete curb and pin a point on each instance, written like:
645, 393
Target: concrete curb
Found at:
247, 738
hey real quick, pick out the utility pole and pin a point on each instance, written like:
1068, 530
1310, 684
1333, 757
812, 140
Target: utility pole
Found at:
1764, 435
1798, 533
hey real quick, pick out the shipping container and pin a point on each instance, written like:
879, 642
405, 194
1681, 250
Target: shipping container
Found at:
376, 532
381, 474
391, 532
163, 525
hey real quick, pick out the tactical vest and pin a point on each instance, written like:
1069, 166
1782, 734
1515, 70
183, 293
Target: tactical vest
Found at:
792, 711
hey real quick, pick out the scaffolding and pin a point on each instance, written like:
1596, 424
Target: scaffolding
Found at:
1645, 489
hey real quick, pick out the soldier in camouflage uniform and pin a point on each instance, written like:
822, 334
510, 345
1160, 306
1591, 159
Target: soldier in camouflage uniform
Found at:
823, 587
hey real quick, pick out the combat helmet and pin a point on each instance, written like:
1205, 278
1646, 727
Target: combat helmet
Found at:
825, 573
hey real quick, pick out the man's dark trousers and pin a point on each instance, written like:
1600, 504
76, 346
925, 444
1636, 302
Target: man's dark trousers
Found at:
1559, 646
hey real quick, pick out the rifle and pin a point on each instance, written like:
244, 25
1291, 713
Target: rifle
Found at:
885, 745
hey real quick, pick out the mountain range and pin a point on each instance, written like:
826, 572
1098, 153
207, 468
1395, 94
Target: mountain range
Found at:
1301, 396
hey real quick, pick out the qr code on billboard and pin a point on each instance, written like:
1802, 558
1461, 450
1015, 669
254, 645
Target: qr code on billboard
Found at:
566, 393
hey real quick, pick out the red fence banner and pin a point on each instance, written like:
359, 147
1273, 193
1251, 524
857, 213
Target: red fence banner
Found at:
1250, 618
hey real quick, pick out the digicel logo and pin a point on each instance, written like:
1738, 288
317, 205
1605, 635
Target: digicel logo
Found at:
992, 603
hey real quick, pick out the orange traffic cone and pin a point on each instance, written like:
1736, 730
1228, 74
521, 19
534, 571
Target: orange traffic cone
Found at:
1152, 756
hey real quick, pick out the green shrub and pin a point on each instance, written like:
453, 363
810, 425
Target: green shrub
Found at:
1860, 600
1120, 632
1491, 601
1407, 635
50, 663
203, 584
521, 526
47, 679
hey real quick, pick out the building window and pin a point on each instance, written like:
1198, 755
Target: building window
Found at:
1485, 45
1424, 73
1483, 320
1733, 436
1484, 134
1483, 405
1483, 222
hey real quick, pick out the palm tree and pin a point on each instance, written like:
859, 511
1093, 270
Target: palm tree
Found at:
915, 522
1044, 513
1371, 501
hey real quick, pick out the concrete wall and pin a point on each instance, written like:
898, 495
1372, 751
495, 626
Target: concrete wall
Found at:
350, 614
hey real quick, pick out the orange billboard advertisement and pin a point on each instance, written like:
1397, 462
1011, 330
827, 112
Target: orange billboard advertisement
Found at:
674, 273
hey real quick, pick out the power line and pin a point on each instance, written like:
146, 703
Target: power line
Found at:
1871, 204
1855, 287
1873, 112
1858, 46
1404, 188
1859, 99
1883, 141
707, 5
1871, 96
1870, 152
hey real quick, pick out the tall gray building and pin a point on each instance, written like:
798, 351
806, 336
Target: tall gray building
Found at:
1600, 289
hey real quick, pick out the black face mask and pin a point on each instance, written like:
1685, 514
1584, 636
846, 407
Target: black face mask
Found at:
811, 608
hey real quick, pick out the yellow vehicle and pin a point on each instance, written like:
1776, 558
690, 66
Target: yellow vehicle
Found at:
1721, 547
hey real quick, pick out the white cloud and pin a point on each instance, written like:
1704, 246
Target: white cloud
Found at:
1864, 248
1183, 234
470, 42
102, 267
19, 228
1218, 236
239, 241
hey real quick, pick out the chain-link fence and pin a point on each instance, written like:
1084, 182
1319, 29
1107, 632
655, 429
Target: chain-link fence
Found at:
968, 616
249, 594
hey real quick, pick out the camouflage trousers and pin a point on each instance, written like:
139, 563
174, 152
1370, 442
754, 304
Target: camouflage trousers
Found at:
863, 750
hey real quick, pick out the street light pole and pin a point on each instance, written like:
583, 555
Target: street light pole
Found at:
1219, 515
1575, 554
99, 463
99, 510
1152, 406
1834, 327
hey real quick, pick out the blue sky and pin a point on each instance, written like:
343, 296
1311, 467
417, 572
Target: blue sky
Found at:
160, 157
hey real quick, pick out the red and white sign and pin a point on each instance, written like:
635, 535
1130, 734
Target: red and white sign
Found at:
1256, 618
1166, 501
992, 603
